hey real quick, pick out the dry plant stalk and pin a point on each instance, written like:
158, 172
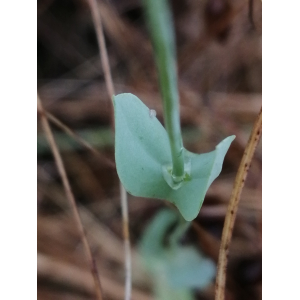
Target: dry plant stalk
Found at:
110, 88
70, 196
233, 207
78, 138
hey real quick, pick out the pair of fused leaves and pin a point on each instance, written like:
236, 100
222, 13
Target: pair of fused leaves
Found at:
143, 154
175, 269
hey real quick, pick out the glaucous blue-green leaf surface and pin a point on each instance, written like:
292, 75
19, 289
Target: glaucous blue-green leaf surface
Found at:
174, 268
142, 151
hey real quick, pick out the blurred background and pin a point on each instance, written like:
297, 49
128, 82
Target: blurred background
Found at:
220, 82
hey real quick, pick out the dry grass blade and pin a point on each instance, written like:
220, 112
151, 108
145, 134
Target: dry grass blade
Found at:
103, 52
110, 88
70, 196
233, 206
78, 138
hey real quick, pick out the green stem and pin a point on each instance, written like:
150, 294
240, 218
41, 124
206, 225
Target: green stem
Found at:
161, 28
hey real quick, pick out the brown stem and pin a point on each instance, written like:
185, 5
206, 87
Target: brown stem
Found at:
103, 52
70, 197
78, 138
110, 88
233, 206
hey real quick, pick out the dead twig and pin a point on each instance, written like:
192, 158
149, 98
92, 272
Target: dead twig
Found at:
77, 137
233, 206
103, 52
70, 196
110, 88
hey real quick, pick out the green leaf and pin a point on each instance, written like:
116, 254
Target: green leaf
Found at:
152, 244
143, 155
174, 268
188, 268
